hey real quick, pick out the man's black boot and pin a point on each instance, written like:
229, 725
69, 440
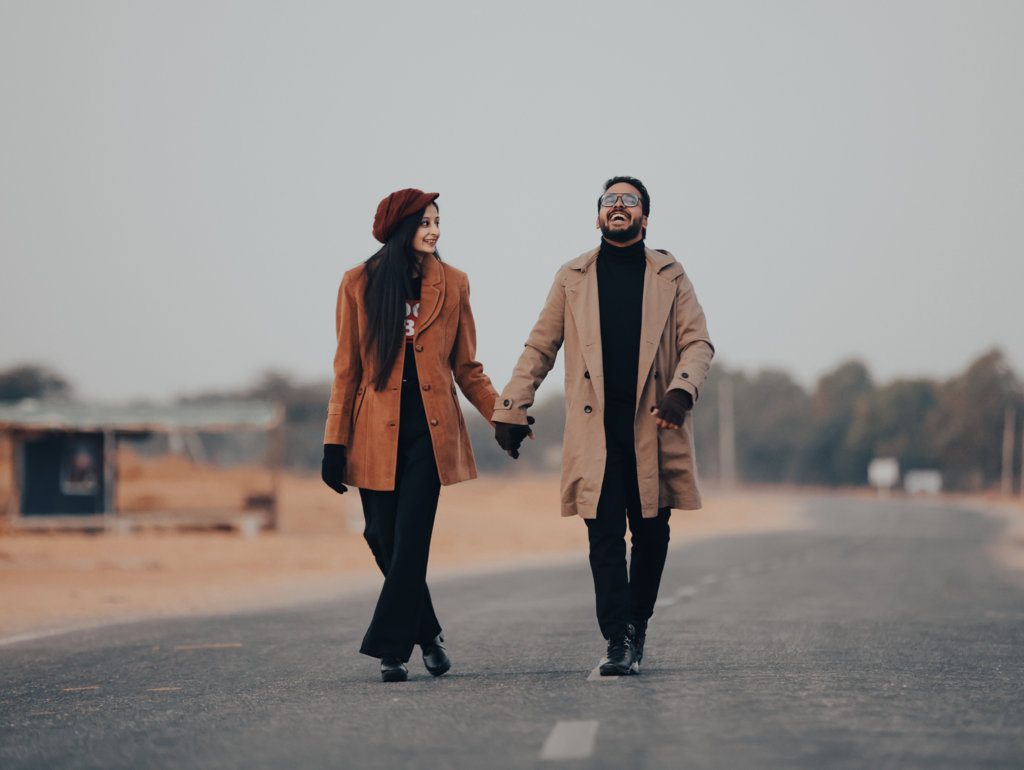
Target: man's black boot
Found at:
435, 657
639, 637
393, 670
621, 654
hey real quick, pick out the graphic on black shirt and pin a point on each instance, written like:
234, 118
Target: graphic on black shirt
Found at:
412, 312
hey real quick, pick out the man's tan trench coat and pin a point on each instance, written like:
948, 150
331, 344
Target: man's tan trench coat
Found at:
675, 353
366, 420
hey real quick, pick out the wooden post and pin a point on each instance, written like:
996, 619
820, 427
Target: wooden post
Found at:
14, 501
109, 472
1009, 424
275, 458
726, 434
1021, 476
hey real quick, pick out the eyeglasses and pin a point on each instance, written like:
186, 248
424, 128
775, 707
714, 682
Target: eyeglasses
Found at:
628, 199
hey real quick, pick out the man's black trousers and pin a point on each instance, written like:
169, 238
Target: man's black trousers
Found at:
625, 595
399, 524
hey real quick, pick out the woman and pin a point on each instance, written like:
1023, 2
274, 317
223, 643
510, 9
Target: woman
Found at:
394, 426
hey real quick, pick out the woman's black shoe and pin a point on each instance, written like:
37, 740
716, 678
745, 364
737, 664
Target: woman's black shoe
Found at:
435, 658
393, 670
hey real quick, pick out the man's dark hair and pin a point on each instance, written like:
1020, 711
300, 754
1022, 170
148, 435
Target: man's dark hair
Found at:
645, 197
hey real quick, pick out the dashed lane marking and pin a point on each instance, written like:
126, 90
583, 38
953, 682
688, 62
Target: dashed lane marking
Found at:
36, 635
570, 740
211, 646
162, 689
595, 676
80, 689
686, 592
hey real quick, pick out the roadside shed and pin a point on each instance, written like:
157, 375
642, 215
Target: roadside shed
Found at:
64, 459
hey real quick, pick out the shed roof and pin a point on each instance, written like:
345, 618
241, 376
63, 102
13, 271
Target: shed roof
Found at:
61, 415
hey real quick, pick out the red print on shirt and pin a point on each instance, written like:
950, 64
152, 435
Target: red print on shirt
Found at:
412, 312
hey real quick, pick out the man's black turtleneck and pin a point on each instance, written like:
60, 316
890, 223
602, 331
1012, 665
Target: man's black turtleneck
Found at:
620, 289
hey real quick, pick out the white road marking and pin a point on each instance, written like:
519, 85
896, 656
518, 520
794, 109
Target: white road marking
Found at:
686, 592
207, 646
595, 676
570, 740
35, 635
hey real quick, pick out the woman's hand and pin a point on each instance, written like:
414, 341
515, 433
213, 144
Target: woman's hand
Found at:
672, 409
332, 467
510, 436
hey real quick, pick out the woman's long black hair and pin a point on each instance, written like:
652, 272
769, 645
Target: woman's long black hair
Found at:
389, 275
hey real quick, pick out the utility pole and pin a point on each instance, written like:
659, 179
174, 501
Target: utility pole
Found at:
1009, 423
726, 434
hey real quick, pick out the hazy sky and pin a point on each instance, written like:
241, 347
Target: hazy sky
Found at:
182, 184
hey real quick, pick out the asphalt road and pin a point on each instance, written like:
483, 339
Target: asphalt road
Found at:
883, 636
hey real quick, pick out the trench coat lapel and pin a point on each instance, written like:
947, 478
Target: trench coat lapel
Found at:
659, 295
431, 294
584, 305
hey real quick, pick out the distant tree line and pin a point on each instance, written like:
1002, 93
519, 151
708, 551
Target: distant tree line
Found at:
782, 433
32, 381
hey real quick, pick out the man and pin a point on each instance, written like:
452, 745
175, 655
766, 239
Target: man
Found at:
636, 353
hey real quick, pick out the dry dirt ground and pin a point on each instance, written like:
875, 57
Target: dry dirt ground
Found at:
54, 581
58, 580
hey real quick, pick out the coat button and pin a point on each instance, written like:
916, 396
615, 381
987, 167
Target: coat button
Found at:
433, 422
426, 386
391, 425
655, 375
586, 374
506, 402
419, 348
685, 375
587, 409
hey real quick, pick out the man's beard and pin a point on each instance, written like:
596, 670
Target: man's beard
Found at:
621, 236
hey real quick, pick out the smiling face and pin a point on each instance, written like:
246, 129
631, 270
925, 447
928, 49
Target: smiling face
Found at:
622, 225
424, 242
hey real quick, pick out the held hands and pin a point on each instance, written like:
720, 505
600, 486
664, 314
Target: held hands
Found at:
332, 467
672, 409
510, 436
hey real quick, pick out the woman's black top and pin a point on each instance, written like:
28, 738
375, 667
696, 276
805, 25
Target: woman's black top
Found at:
412, 400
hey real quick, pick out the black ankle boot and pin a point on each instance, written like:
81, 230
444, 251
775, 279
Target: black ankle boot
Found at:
639, 637
393, 670
435, 657
621, 654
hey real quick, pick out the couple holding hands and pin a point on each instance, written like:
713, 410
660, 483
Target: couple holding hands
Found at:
636, 353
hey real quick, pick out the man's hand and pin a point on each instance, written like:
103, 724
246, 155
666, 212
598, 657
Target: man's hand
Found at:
672, 410
332, 467
510, 436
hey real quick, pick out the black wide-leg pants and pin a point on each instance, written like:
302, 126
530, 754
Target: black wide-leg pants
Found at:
399, 524
624, 595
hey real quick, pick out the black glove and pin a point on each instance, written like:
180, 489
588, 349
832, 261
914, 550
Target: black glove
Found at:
674, 406
509, 436
332, 467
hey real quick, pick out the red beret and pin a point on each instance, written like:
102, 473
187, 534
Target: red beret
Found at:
397, 207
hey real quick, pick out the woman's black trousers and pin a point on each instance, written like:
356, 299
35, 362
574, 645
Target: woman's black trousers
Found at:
399, 524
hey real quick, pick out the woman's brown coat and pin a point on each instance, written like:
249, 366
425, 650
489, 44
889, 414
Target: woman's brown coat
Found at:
675, 353
366, 420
